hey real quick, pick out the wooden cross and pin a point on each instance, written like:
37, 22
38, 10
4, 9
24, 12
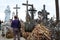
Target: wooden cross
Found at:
32, 12
27, 8
45, 14
16, 9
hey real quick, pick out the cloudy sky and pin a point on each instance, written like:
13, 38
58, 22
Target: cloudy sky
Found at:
38, 5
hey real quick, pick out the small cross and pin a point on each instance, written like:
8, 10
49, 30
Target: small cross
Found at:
16, 9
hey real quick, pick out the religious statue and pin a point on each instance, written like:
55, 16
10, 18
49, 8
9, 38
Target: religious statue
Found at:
7, 14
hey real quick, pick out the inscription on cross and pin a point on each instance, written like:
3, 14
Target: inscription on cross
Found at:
16, 9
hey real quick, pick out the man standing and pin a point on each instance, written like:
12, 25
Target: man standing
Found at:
16, 26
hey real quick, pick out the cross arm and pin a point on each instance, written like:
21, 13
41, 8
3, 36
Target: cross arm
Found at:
32, 10
27, 4
16, 8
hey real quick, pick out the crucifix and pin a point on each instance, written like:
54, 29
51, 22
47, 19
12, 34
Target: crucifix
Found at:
26, 8
16, 9
32, 12
57, 10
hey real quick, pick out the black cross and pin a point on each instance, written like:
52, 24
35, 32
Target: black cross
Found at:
16, 9
27, 8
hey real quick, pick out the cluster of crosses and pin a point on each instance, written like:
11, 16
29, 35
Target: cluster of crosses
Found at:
30, 19
43, 15
32, 10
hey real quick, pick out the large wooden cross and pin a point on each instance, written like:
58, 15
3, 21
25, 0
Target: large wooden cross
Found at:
16, 9
26, 7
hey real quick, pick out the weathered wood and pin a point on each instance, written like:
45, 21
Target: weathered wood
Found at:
40, 33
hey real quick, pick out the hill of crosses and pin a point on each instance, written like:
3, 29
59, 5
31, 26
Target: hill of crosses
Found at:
42, 28
34, 29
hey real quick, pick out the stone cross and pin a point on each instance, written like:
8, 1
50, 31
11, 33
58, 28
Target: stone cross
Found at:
32, 12
16, 9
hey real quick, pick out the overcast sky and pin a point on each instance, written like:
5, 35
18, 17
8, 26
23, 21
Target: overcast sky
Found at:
38, 5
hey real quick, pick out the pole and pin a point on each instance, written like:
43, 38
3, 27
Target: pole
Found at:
57, 11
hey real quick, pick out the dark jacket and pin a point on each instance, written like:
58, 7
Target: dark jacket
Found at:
15, 24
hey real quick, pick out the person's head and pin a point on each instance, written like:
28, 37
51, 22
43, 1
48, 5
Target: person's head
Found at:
15, 17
